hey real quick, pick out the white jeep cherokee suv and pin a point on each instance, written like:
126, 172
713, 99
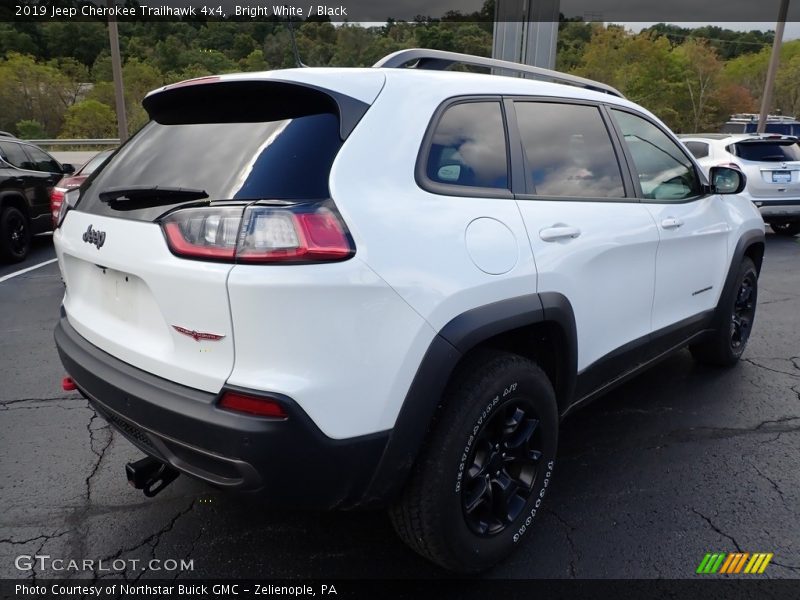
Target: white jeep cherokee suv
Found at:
387, 286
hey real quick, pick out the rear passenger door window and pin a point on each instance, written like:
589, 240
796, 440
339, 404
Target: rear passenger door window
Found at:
568, 151
468, 149
42, 161
665, 172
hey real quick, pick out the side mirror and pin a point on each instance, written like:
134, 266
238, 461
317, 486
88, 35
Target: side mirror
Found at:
725, 180
67, 169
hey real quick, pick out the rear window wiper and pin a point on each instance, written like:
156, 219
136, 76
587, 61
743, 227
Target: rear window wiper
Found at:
151, 195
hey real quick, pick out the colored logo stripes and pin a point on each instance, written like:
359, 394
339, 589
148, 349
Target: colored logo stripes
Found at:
734, 562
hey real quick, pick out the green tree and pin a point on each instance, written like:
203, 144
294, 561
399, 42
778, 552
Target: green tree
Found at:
253, 62
30, 129
89, 119
31, 90
701, 72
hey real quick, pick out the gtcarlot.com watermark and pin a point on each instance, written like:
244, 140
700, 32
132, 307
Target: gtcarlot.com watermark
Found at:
46, 563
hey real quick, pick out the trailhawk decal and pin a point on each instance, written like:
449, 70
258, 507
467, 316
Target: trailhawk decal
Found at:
198, 335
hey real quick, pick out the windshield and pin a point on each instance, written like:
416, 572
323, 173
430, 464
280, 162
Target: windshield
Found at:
767, 151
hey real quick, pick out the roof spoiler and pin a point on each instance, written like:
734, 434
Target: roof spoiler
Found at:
217, 100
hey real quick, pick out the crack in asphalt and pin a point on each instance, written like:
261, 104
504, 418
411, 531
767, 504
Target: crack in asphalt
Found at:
774, 484
573, 552
54, 405
38, 551
100, 454
186, 556
717, 529
149, 539
766, 368
701, 433
19, 543
6, 403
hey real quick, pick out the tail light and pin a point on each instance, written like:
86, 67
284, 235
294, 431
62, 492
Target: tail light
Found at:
259, 233
56, 198
253, 405
67, 199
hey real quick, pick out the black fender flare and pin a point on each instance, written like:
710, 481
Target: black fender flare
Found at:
17, 195
449, 346
747, 240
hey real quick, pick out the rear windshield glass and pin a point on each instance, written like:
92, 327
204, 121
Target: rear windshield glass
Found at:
766, 151
287, 159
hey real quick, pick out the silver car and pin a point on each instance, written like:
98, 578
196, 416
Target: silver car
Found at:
772, 166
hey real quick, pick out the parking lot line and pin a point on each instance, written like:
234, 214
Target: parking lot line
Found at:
23, 271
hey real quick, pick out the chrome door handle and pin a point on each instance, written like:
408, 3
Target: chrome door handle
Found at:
559, 232
671, 223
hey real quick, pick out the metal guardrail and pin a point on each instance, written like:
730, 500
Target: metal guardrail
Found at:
76, 142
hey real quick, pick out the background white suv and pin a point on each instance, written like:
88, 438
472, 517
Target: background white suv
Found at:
386, 286
772, 166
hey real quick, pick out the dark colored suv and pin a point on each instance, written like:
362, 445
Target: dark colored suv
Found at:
27, 174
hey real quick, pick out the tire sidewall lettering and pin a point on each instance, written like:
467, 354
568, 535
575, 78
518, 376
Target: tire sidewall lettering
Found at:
487, 410
523, 529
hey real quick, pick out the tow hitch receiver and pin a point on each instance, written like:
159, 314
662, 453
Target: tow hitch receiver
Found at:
150, 475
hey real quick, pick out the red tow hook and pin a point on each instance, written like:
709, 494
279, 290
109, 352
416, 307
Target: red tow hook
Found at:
68, 385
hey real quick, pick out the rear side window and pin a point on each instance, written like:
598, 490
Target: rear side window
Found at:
14, 155
468, 147
568, 151
665, 173
766, 151
42, 161
286, 159
698, 149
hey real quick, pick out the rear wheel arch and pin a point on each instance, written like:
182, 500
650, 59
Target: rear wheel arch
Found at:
539, 327
15, 199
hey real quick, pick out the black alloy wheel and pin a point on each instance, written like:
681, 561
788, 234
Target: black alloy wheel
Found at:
504, 466
15, 236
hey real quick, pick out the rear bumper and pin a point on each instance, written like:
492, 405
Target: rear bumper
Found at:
291, 460
777, 209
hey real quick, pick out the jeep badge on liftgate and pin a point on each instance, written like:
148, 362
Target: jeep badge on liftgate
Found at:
92, 236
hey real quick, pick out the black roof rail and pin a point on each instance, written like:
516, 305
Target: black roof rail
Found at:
420, 58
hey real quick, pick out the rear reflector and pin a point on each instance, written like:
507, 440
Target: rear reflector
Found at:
252, 405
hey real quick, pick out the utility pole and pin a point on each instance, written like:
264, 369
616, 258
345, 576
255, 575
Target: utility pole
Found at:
769, 84
116, 69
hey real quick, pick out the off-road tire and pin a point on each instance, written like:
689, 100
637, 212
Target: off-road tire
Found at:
431, 514
726, 344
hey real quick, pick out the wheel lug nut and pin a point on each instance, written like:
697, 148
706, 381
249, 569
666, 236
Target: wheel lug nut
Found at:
504, 455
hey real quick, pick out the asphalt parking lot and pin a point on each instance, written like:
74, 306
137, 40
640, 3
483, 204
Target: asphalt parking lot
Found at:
681, 461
